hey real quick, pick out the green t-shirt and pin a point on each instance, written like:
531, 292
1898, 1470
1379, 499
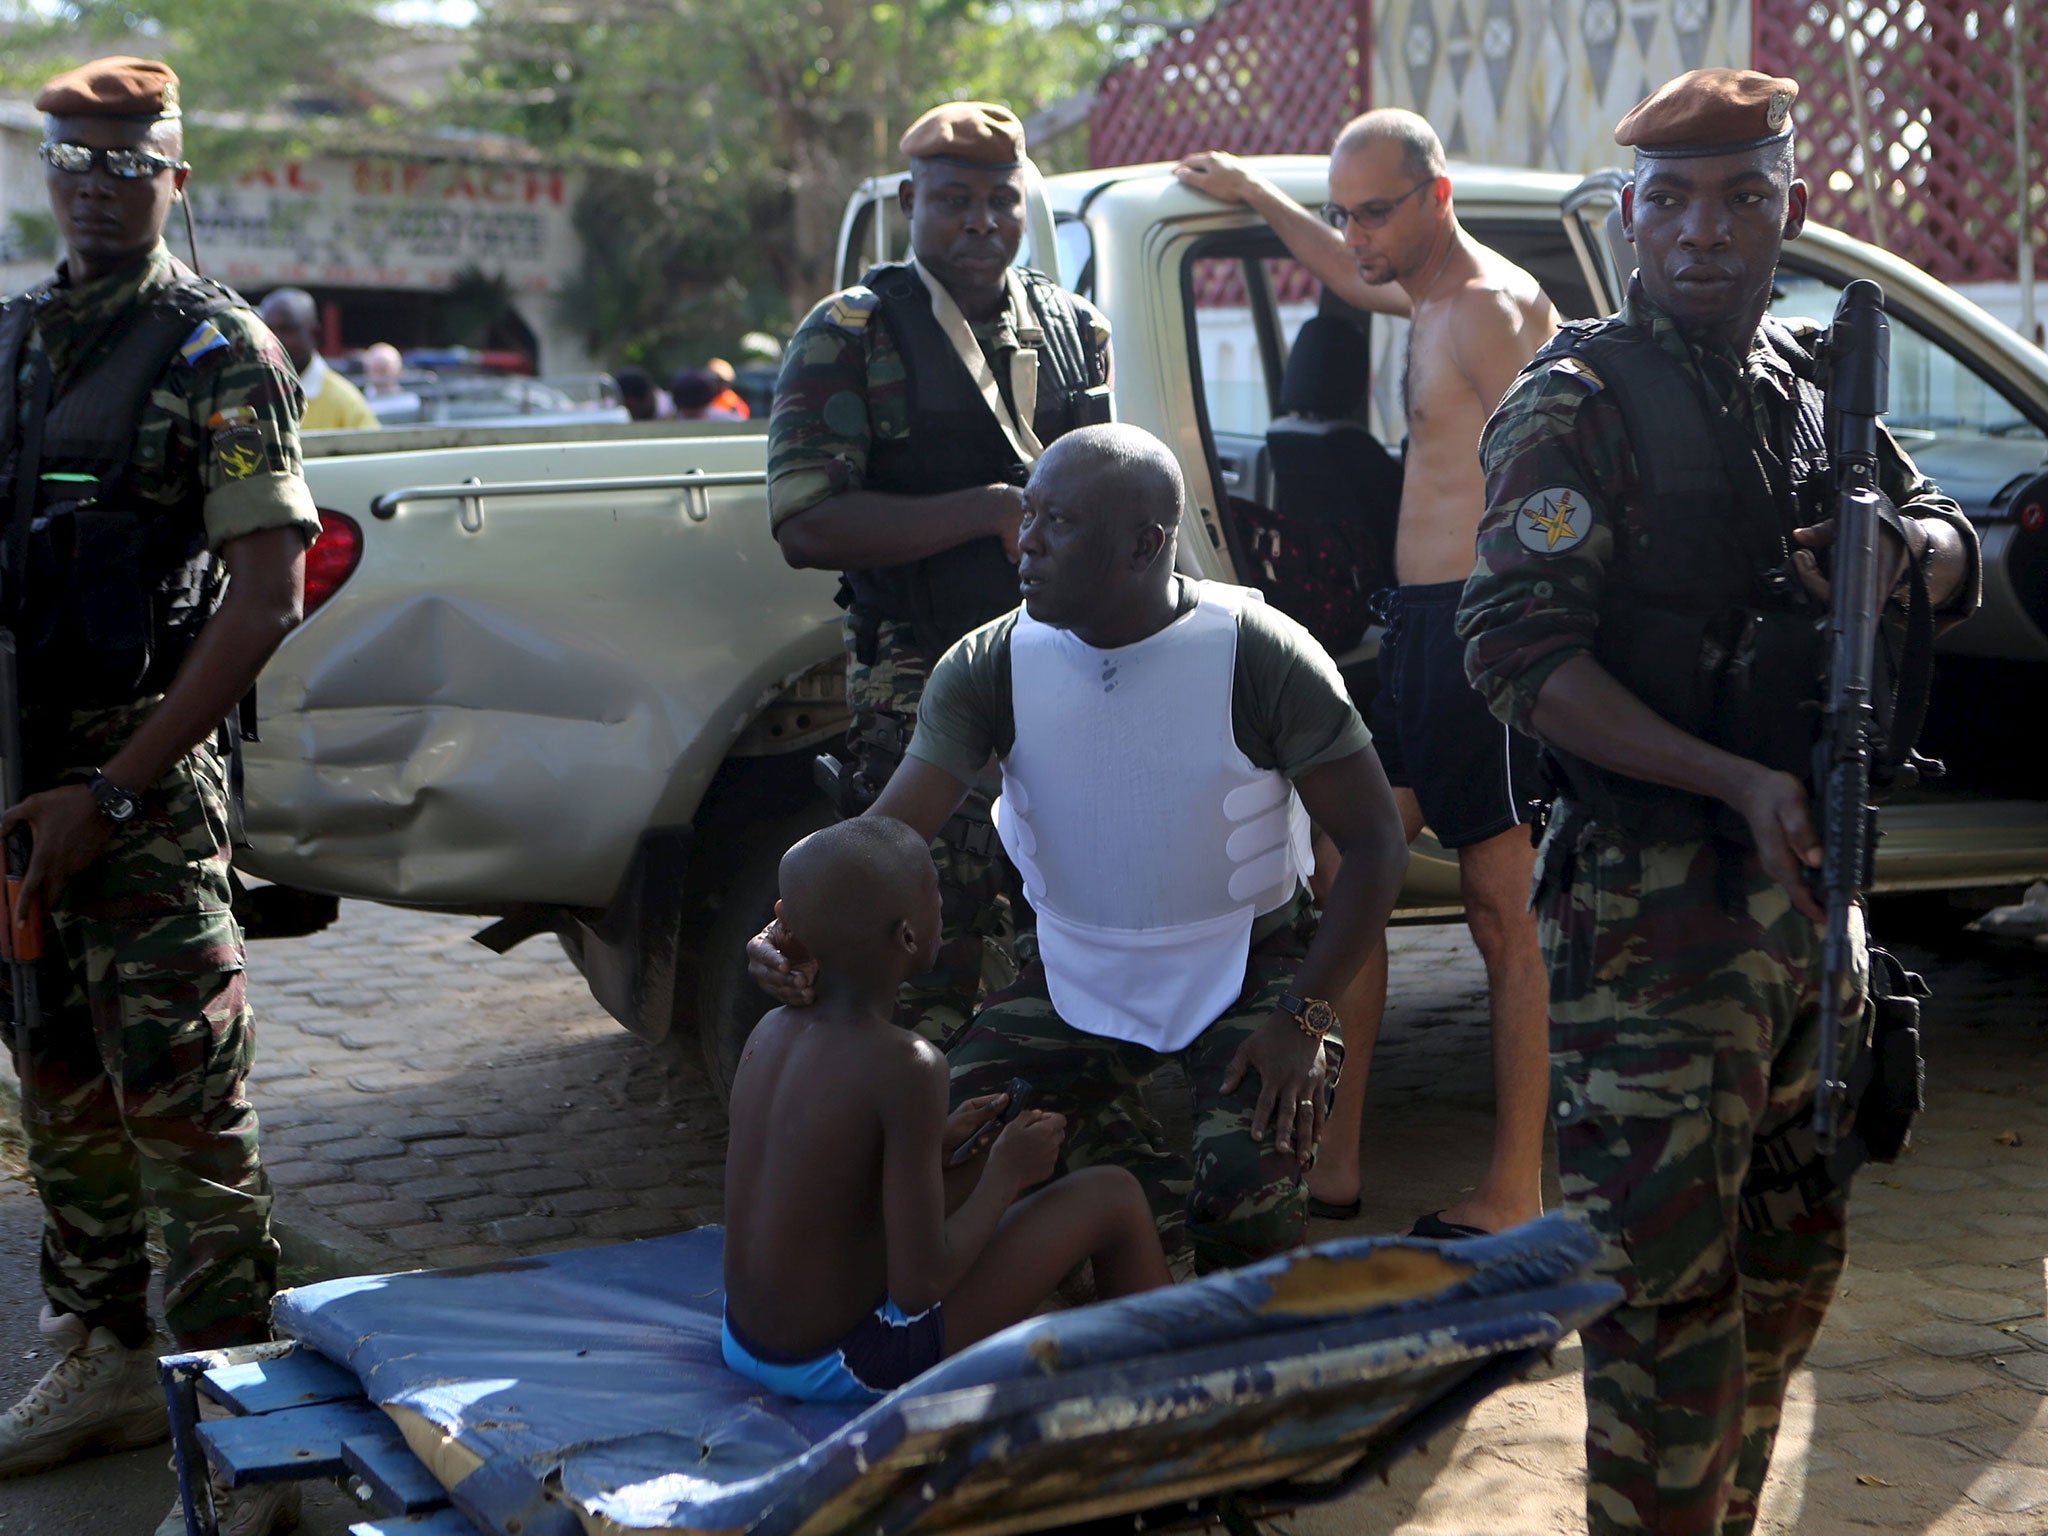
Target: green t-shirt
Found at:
1288, 707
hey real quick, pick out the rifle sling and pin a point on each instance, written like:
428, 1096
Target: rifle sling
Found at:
28, 471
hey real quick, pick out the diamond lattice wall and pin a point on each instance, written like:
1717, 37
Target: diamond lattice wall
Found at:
1540, 83
1928, 173
1258, 77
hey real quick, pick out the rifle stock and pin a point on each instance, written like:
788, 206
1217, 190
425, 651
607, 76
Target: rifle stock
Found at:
1859, 366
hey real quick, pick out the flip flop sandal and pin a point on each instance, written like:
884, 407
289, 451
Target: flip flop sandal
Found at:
1434, 1225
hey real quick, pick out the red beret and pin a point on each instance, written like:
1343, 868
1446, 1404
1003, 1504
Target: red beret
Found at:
968, 133
1711, 112
142, 89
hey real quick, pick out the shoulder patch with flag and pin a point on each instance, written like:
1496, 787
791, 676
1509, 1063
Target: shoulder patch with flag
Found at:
204, 340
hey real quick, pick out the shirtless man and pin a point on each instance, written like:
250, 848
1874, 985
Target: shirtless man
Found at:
1389, 241
869, 1234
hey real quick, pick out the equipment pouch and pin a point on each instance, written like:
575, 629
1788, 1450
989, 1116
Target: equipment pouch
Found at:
1897, 1087
112, 602
1092, 407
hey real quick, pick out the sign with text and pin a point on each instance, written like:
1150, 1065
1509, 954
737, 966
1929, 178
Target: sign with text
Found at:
376, 222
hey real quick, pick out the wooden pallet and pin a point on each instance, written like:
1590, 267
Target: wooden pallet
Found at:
295, 1415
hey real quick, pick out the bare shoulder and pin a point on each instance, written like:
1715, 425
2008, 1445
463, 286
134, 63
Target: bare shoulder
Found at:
1500, 317
902, 1069
1494, 319
1510, 290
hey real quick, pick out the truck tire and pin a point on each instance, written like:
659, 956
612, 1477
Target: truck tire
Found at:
729, 1005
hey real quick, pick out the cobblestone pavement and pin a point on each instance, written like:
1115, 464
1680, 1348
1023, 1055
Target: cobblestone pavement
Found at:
426, 1102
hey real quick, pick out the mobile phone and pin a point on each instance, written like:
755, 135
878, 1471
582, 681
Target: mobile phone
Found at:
1020, 1100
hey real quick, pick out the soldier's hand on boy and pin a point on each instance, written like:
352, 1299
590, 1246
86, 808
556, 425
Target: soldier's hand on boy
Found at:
973, 1117
779, 965
1028, 1151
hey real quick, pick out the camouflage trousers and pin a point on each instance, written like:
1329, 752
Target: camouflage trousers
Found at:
134, 1085
1239, 1199
979, 893
1684, 1033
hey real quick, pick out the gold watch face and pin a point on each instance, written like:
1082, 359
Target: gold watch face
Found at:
1319, 1016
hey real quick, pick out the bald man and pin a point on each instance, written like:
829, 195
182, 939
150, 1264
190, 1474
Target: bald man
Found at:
332, 403
869, 1234
1162, 743
1389, 241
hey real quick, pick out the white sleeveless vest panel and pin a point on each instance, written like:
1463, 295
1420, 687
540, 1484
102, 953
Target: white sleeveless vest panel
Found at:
1147, 842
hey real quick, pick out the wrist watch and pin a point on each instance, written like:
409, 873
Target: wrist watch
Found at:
115, 803
1315, 1017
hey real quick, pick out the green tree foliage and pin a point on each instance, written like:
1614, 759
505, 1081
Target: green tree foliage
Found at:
722, 139
230, 55
718, 138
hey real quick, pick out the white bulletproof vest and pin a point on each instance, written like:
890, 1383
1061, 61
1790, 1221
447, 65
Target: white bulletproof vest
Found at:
1148, 843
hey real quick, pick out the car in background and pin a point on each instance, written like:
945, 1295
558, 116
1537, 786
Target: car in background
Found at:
487, 400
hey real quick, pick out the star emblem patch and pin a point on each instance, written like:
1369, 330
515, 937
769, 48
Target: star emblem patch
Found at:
1553, 521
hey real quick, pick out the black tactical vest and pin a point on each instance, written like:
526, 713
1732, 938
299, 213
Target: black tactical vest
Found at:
105, 591
1701, 616
954, 442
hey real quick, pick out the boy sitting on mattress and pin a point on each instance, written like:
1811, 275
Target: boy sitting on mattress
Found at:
855, 1257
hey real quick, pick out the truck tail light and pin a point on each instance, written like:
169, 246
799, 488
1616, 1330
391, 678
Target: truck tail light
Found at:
333, 558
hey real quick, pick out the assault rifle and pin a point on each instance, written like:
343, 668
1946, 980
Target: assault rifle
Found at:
1859, 349
25, 948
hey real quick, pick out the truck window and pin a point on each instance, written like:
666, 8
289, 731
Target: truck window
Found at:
1077, 253
1304, 503
866, 246
1959, 427
1234, 344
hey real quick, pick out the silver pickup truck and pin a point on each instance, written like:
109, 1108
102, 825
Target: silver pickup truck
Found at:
561, 677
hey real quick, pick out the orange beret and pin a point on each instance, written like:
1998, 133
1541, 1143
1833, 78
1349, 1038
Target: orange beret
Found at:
1710, 112
143, 89
967, 133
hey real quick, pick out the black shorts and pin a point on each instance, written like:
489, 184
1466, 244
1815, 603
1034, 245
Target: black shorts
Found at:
1473, 775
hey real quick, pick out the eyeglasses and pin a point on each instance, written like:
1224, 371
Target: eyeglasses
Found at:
1370, 215
126, 164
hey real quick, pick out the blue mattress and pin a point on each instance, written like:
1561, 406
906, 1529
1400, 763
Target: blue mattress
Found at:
589, 1386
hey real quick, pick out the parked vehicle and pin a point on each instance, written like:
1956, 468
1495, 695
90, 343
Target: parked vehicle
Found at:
562, 676
498, 400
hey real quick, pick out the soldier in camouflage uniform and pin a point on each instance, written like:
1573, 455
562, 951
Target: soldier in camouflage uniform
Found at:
1647, 603
1165, 862
148, 422
908, 412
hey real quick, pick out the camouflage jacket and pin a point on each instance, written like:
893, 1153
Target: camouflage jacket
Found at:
1534, 601
843, 388
225, 414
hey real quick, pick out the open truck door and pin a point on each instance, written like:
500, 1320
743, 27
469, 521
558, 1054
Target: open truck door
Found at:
1592, 220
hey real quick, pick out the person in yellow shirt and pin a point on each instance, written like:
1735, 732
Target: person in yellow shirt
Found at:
332, 403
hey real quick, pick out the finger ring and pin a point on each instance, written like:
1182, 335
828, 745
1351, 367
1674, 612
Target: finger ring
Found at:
1304, 1103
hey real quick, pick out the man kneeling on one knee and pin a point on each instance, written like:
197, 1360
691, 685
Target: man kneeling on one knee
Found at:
1163, 743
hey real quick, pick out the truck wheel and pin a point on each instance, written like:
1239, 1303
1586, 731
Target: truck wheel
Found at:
729, 1005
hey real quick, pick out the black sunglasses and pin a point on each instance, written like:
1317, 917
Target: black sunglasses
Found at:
1370, 215
126, 164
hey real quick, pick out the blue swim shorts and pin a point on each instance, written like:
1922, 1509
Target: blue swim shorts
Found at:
884, 1350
